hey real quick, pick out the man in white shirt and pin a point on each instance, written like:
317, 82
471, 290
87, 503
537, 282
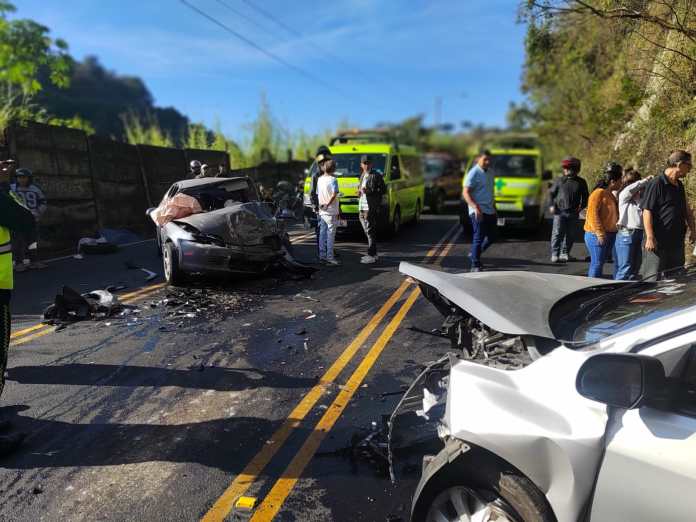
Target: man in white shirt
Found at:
327, 192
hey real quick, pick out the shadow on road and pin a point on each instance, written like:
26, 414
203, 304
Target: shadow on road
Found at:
213, 378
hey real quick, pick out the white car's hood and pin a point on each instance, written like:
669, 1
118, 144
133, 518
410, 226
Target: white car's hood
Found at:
535, 419
511, 302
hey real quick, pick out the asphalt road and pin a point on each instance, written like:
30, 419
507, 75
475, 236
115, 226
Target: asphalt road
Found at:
254, 387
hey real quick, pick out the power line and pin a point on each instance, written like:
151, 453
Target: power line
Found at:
292, 31
267, 53
244, 16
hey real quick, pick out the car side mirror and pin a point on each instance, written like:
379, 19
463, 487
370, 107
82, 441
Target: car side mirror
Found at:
623, 380
546, 175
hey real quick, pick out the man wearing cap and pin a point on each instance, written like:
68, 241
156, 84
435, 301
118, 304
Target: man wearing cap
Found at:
568, 196
15, 218
370, 191
23, 246
206, 172
323, 154
666, 215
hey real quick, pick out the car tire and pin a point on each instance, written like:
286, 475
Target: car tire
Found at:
513, 498
170, 261
438, 206
395, 225
417, 215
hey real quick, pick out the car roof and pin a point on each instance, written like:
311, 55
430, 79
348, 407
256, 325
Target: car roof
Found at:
517, 152
372, 148
190, 183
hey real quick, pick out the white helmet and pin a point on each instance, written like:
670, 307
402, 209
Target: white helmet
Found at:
195, 164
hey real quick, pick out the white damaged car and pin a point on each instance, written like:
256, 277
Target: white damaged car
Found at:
599, 426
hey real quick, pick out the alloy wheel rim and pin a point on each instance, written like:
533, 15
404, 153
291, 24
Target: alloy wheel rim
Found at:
461, 504
167, 264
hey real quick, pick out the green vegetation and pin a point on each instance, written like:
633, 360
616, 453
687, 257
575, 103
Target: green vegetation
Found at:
611, 80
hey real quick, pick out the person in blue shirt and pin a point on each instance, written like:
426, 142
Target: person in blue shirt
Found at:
478, 194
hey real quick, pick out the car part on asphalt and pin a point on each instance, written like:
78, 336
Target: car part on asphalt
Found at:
70, 306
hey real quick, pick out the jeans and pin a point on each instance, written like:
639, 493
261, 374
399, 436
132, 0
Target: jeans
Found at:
629, 253
485, 233
563, 234
666, 257
327, 236
368, 220
598, 253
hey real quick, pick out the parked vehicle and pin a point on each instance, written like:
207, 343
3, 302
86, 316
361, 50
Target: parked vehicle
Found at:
443, 180
234, 233
520, 187
403, 174
600, 426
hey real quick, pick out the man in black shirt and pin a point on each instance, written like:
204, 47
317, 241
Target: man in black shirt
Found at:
568, 197
666, 215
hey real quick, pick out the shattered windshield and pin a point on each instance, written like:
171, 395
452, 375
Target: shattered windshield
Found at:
513, 166
593, 314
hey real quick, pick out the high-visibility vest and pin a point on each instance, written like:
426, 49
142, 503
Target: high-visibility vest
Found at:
6, 280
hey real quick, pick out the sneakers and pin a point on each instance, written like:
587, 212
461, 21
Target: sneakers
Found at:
368, 260
563, 258
332, 262
554, 258
475, 269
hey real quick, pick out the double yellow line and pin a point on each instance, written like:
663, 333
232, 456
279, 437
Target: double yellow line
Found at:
39, 330
282, 488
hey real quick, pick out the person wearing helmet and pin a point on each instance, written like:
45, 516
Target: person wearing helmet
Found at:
568, 196
206, 172
23, 246
195, 168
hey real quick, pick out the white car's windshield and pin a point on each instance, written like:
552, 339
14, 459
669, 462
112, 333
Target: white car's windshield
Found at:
591, 315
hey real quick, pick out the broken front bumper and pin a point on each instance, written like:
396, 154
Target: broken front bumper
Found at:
416, 426
208, 258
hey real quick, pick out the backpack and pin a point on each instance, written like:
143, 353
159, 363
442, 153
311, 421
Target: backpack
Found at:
375, 185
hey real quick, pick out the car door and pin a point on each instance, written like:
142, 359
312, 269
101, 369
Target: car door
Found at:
649, 468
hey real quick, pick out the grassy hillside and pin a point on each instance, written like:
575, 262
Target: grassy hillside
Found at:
613, 80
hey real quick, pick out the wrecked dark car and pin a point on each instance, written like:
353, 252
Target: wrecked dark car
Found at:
217, 226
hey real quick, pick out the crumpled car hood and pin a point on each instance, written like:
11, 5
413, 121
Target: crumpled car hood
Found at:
535, 419
511, 302
238, 224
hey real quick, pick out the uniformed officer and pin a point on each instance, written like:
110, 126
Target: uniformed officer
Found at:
14, 218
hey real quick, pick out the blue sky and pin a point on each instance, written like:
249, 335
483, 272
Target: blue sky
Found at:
383, 60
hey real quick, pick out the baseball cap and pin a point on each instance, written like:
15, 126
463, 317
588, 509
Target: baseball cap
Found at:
23, 172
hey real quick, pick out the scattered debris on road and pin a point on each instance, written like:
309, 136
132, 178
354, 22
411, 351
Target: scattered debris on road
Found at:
70, 306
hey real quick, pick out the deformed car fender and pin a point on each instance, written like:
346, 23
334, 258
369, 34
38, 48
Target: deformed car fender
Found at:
534, 419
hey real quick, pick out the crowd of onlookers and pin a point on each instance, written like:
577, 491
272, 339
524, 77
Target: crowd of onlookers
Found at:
640, 222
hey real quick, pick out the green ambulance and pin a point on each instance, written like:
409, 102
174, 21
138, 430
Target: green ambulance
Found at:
521, 186
403, 175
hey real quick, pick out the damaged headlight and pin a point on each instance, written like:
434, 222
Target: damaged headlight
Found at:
415, 426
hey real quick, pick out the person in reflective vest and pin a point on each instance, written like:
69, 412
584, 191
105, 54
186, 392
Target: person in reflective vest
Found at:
14, 218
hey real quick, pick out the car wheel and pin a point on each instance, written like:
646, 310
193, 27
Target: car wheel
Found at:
439, 202
513, 499
419, 211
396, 222
170, 260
